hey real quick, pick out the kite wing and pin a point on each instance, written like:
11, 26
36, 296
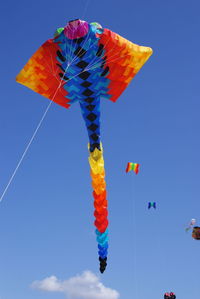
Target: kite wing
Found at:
43, 73
122, 61
111, 63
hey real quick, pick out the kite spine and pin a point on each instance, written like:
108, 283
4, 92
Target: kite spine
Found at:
97, 173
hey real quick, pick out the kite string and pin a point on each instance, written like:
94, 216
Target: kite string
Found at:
25, 151
85, 9
38, 126
135, 241
32, 138
72, 48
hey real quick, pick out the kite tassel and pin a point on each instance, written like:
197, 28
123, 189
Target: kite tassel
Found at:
100, 204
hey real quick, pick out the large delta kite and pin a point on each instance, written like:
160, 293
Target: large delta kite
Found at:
85, 63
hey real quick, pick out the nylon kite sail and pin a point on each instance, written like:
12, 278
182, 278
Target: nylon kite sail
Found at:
85, 63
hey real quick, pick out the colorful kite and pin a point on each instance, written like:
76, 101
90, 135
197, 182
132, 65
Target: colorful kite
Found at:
152, 205
85, 63
132, 166
196, 233
169, 296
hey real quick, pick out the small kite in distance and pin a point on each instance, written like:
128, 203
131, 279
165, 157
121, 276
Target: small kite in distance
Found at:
152, 205
132, 166
169, 296
196, 233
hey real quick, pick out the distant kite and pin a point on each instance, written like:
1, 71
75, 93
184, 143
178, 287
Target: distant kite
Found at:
196, 233
152, 205
169, 296
132, 166
86, 63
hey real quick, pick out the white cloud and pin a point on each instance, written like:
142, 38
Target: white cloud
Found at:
50, 284
84, 286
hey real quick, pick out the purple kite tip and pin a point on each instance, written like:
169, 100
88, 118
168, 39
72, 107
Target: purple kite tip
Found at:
76, 29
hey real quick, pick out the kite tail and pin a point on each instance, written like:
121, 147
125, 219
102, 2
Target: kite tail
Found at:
97, 172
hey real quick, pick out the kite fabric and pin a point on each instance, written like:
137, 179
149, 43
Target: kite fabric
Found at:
85, 63
132, 166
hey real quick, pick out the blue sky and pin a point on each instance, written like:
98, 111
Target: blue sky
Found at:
46, 217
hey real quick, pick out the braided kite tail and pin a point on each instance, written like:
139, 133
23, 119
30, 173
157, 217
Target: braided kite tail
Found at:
100, 204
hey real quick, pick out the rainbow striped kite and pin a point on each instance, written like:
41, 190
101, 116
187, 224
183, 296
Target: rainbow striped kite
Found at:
86, 63
132, 166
